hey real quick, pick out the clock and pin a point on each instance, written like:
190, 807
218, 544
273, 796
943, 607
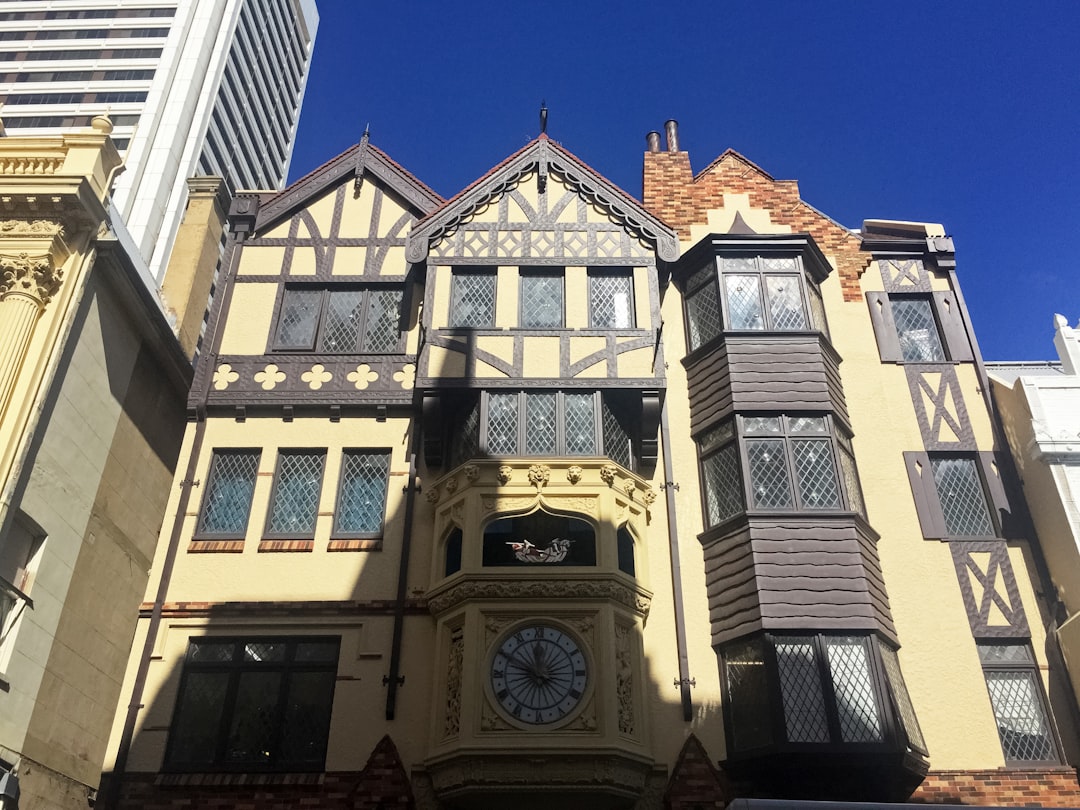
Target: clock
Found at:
538, 674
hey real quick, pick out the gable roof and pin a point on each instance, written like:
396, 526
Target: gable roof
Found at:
733, 154
358, 161
543, 155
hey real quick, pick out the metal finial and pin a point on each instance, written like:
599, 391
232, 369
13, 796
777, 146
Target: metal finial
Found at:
543, 117
367, 133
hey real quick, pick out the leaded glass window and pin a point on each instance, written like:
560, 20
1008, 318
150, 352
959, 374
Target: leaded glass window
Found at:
703, 318
791, 462
254, 704
340, 321
901, 698
472, 300
856, 701
541, 300
549, 423
917, 330
747, 703
227, 504
963, 500
297, 487
720, 470
611, 300
362, 492
1016, 695
800, 690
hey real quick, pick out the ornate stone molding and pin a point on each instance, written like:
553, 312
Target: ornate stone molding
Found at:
20, 228
30, 274
476, 773
626, 595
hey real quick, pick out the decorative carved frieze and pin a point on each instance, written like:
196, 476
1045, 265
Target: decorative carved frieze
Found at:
624, 678
454, 667
33, 228
549, 589
30, 274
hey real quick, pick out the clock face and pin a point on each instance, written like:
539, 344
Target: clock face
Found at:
539, 674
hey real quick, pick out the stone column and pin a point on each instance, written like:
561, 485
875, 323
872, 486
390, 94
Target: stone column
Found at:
27, 282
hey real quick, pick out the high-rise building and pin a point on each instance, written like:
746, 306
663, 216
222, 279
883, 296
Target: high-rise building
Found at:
542, 495
192, 86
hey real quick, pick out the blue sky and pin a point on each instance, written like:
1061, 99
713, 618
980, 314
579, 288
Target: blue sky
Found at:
962, 113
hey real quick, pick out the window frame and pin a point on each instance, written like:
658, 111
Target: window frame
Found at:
945, 308
525, 273
201, 532
342, 534
283, 452
462, 272
1029, 668
322, 315
235, 668
626, 273
988, 467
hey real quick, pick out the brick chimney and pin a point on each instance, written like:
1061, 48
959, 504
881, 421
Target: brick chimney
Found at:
666, 177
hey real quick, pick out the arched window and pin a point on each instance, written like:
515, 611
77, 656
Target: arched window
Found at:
537, 539
626, 552
453, 552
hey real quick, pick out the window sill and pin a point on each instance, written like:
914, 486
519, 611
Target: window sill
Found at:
355, 544
208, 546
286, 545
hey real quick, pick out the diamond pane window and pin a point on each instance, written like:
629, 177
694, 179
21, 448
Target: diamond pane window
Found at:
298, 319
815, 473
917, 330
770, 487
340, 321
466, 440
784, 295
744, 301
800, 690
541, 436
502, 424
748, 694
296, 493
703, 316
541, 300
1016, 695
228, 494
851, 476
901, 698
580, 425
472, 300
362, 495
855, 699
963, 500
611, 302
263, 705
723, 485
616, 439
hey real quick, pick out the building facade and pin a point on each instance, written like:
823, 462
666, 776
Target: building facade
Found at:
1040, 409
544, 494
194, 87
92, 386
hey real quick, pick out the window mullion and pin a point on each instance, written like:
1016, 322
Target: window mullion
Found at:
794, 481
523, 423
828, 690
284, 670
324, 306
598, 423
560, 423
361, 346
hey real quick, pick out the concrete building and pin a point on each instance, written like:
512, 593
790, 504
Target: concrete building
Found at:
541, 495
92, 383
194, 87
1040, 408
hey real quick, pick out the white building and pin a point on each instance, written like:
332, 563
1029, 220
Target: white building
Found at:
193, 87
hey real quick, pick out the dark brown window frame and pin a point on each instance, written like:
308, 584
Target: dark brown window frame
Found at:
946, 311
459, 272
599, 405
613, 272
928, 503
235, 668
337, 532
204, 534
527, 272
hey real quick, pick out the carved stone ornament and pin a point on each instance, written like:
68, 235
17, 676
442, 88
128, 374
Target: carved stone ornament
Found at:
451, 485
624, 679
432, 495
577, 589
539, 474
505, 474
31, 275
490, 720
30, 227
630, 486
573, 473
649, 496
607, 474
454, 668
472, 472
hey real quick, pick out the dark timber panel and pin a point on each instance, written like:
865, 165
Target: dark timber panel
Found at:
798, 573
767, 372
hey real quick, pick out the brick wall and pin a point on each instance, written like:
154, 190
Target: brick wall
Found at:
672, 193
1050, 787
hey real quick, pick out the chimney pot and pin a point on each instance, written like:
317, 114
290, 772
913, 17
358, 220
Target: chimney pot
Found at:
671, 129
653, 141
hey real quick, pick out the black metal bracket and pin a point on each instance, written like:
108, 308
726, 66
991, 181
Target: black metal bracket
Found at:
400, 680
685, 682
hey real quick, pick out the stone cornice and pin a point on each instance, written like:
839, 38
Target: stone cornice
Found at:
572, 588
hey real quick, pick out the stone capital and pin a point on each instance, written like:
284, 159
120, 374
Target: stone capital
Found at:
30, 274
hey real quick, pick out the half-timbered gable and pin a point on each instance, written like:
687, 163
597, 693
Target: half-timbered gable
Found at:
319, 302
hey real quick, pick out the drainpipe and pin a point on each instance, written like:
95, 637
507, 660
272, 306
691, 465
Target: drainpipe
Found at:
684, 682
